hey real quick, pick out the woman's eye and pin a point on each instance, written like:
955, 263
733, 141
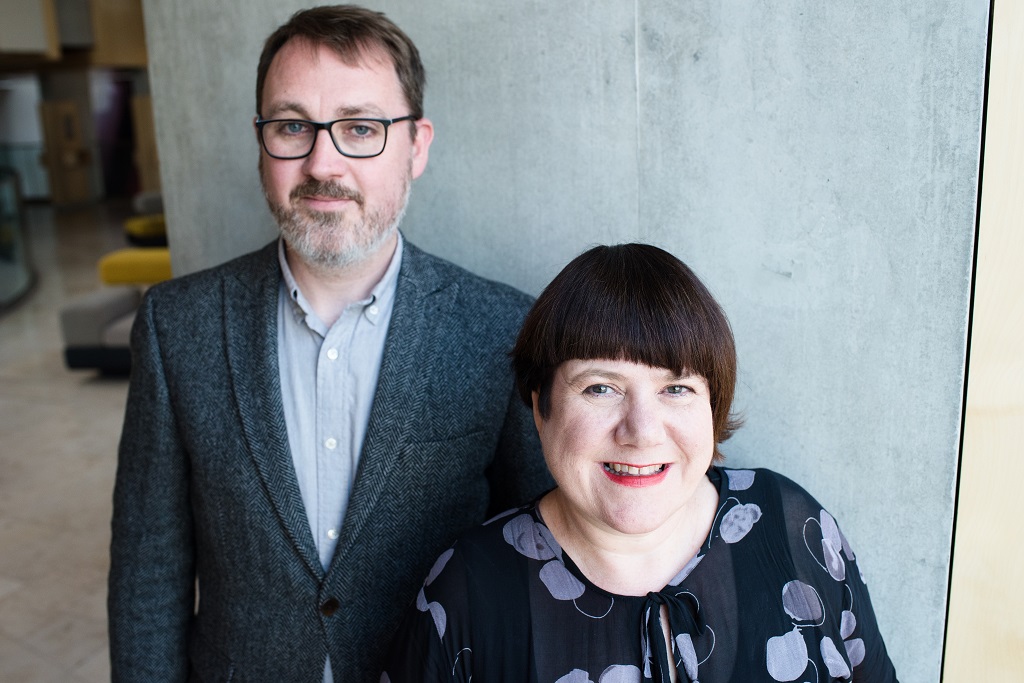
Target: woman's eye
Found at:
677, 389
598, 390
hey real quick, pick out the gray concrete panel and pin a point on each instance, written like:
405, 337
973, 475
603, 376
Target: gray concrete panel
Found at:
534, 105
202, 70
818, 165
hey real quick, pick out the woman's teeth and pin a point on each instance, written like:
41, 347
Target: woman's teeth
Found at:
629, 470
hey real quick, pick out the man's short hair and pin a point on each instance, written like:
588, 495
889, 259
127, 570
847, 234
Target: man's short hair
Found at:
352, 33
632, 302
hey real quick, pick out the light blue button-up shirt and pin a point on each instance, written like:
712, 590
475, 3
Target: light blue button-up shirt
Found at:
328, 379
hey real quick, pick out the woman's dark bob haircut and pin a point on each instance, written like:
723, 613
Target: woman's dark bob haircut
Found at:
632, 302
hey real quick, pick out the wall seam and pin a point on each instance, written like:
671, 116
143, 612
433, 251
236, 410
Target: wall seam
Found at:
638, 124
970, 330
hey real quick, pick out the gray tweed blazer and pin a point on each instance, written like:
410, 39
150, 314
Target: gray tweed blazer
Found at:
207, 500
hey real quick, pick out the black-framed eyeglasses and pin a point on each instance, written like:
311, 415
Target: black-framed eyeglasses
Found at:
355, 138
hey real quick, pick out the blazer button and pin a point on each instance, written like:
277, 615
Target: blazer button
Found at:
329, 607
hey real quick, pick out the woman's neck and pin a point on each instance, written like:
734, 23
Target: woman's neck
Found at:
632, 564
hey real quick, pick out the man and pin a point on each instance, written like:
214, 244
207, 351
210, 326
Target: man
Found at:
310, 425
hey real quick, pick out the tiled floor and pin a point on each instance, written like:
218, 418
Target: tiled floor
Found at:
58, 440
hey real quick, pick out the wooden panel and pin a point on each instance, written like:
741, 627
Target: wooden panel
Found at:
118, 34
985, 631
66, 157
146, 160
29, 28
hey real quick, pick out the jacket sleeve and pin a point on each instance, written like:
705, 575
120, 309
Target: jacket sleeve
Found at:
518, 473
152, 566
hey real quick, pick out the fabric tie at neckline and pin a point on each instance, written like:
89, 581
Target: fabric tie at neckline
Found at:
683, 617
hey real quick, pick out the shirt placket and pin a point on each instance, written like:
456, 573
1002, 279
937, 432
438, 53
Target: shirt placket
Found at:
334, 394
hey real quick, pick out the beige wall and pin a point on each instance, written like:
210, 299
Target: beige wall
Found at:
985, 631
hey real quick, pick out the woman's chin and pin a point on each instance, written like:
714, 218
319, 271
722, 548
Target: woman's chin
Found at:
636, 520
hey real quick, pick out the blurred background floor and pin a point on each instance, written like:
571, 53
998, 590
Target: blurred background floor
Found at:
58, 441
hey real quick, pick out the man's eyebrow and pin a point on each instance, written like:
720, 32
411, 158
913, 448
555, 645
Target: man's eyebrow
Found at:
360, 111
275, 110
356, 111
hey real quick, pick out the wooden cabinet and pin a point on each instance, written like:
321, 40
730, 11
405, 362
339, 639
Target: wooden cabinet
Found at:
119, 39
29, 30
67, 155
146, 161
42, 33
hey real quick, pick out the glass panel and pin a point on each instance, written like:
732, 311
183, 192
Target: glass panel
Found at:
15, 272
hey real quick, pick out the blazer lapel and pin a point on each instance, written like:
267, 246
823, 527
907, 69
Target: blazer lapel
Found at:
250, 317
420, 295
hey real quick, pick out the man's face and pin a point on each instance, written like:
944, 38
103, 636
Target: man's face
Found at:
334, 211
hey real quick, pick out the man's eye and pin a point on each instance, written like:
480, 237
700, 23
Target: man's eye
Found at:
293, 128
362, 130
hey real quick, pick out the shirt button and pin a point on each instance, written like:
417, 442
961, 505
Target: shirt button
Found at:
332, 534
372, 310
329, 607
331, 443
332, 354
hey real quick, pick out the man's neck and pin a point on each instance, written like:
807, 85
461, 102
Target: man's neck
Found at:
330, 292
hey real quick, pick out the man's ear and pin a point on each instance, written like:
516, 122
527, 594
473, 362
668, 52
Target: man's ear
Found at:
421, 145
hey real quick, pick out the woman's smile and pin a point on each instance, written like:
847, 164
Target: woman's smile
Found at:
635, 476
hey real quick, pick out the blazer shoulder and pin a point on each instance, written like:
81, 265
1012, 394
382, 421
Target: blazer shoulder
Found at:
474, 294
198, 296
250, 267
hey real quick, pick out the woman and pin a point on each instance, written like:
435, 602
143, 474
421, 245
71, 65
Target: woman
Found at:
648, 561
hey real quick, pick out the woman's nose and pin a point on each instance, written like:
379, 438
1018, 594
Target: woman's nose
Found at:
641, 425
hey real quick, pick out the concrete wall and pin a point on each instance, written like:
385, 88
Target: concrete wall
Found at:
816, 163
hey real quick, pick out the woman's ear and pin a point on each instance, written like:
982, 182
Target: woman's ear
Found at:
537, 419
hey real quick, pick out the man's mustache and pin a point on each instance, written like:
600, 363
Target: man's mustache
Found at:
320, 188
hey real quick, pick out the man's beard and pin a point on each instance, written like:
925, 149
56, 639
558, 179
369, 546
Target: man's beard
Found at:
328, 241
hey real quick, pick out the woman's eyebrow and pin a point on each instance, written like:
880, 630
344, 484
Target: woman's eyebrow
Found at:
595, 373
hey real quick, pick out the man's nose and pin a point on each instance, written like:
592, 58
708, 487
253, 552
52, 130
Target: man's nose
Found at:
325, 161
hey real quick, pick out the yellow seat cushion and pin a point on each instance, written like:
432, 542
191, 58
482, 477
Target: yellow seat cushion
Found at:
147, 226
142, 265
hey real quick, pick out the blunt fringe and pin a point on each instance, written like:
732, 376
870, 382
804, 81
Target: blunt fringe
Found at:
632, 302
352, 33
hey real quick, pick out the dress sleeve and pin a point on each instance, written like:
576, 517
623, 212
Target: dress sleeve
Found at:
862, 639
152, 572
432, 644
855, 649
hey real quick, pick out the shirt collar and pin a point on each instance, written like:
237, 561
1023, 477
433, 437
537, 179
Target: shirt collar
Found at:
380, 299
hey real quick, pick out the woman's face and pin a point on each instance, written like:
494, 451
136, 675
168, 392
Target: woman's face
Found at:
628, 444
